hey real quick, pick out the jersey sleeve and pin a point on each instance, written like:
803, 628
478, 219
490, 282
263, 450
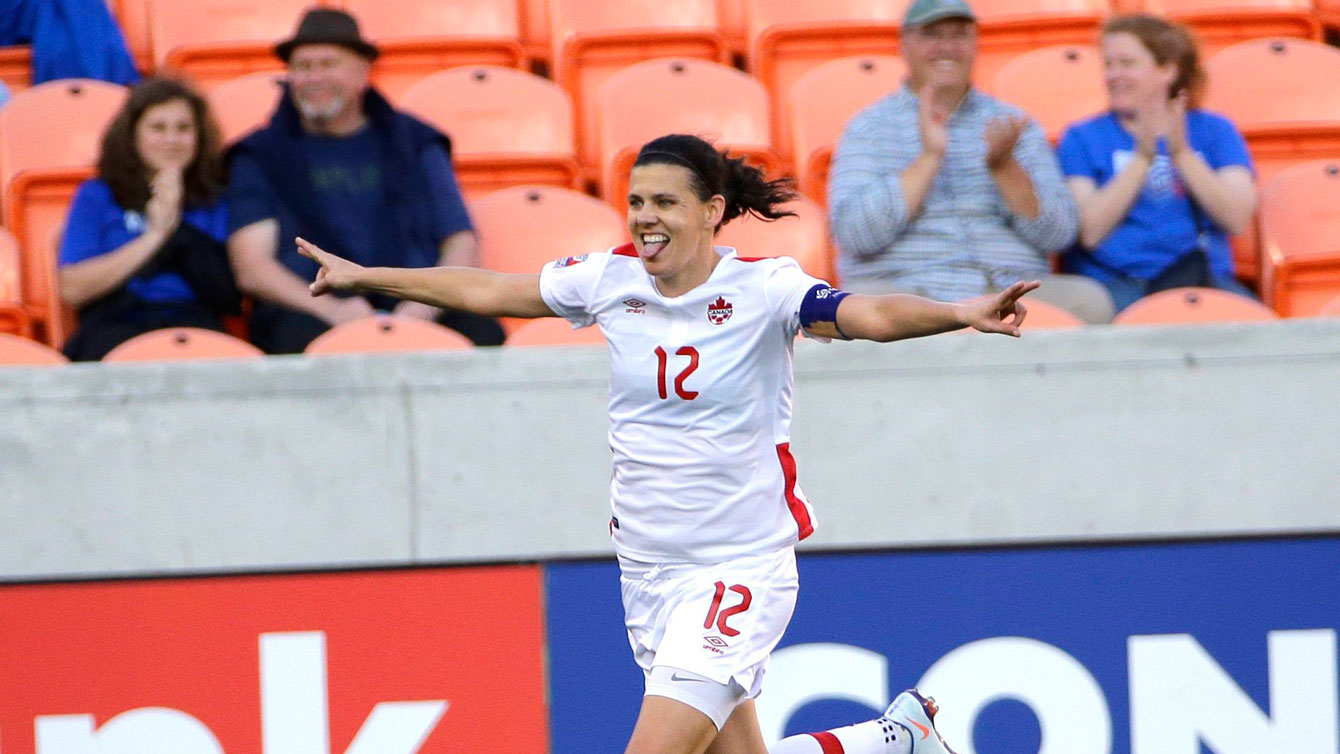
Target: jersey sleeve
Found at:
568, 286
82, 238
785, 286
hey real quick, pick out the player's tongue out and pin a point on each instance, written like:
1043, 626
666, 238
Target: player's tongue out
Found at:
653, 243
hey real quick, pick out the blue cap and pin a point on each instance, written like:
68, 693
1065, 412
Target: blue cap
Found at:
922, 12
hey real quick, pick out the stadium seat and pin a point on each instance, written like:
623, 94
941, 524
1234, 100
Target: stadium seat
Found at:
17, 351
522, 229
50, 135
14, 318
420, 37
804, 238
789, 37
386, 334
1328, 12
1300, 238
182, 344
1220, 23
1330, 308
535, 31
1007, 28
16, 67
657, 97
1193, 305
245, 103
823, 100
734, 27
507, 127
554, 331
132, 16
212, 41
592, 39
1281, 94
1057, 85
1044, 316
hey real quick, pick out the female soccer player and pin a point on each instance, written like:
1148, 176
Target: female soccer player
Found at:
706, 507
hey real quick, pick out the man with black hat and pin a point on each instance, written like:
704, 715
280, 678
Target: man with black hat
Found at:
941, 190
338, 166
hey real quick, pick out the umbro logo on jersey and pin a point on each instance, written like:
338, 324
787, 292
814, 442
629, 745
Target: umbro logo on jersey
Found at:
719, 311
634, 306
714, 644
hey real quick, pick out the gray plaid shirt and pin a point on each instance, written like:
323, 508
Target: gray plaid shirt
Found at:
964, 241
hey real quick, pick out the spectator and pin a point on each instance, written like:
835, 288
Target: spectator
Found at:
1158, 181
70, 39
338, 166
143, 246
940, 190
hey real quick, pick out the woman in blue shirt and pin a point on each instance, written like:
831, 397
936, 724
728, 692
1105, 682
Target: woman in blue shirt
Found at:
1159, 183
143, 242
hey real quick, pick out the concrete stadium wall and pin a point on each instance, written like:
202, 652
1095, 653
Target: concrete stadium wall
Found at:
498, 454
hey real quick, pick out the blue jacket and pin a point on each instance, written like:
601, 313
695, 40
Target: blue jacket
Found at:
70, 39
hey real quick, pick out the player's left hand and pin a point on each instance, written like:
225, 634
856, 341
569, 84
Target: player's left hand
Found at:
1001, 312
335, 274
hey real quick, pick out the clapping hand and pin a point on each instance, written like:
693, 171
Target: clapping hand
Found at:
162, 212
1001, 136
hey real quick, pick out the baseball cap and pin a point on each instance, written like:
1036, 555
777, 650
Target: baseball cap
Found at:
922, 12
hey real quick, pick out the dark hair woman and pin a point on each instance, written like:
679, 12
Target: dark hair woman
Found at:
143, 242
1159, 182
706, 507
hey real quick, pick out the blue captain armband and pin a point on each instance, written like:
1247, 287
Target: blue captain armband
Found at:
820, 305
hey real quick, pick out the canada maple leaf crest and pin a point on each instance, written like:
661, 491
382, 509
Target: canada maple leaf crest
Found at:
719, 311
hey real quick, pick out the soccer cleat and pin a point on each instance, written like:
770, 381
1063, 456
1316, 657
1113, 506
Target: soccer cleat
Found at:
917, 713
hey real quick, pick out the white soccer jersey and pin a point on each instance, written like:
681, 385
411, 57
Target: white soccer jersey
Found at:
700, 402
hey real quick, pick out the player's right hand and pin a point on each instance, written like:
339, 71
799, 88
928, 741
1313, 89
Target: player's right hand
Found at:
336, 274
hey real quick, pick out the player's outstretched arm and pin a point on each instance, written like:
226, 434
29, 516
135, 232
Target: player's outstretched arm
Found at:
898, 316
466, 289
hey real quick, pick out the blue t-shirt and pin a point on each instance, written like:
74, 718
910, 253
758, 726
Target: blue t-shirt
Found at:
97, 225
1160, 226
348, 175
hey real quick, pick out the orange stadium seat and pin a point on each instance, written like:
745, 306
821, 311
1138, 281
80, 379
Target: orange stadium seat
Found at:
553, 331
507, 127
182, 344
823, 100
1007, 28
49, 140
14, 318
1281, 93
789, 37
132, 16
592, 39
651, 99
535, 31
1044, 316
734, 27
211, 41
245, 103
804, 237
420, 37
1193, 305
1300, 237
1057, 85
16, 351
523, 228
1220, 23
1330, 308
1328, 12
386, 334
16, 67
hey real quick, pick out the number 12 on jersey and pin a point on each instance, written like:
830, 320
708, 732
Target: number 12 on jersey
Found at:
663, 361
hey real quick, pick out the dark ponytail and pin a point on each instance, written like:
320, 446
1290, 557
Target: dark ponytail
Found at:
744, 187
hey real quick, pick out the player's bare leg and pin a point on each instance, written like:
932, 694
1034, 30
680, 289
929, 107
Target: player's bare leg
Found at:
668, 726
740, 734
